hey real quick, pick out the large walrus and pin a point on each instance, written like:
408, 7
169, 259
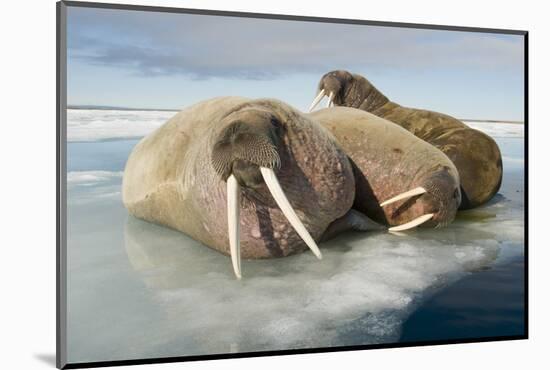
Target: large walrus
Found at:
417, 182
246, 177
475, 155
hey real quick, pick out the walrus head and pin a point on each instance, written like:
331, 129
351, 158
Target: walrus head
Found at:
435, 198
247, 144
416, 183
261, 151
349, 90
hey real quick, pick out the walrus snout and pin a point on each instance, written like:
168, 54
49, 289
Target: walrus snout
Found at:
242, 148
332, 85
442, 198
432, 203
248, 174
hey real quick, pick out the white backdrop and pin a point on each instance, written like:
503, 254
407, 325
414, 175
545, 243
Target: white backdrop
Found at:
27, 183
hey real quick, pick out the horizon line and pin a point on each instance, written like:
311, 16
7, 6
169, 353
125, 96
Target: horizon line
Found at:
109, 107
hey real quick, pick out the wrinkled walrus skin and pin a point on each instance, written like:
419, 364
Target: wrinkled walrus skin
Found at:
173, 178
389, 160
475, 154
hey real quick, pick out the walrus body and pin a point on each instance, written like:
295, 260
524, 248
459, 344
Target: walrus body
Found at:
475, 154
388, 160
176, 176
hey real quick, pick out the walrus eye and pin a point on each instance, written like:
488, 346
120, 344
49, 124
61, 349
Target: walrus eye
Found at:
276, 123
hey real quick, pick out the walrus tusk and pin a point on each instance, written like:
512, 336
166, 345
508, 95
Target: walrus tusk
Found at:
409, 225
278, 194
317, 99
407, 194
330, 97
233, 223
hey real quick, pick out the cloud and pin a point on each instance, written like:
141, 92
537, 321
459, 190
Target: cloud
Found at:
212, 46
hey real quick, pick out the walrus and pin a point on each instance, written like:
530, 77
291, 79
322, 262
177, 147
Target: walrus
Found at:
399, 178
250, 178
475, 154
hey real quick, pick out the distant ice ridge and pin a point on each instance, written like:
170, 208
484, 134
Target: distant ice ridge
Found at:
97, 125
498, 129
90, 177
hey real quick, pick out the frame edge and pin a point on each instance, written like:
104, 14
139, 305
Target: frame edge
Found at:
61, 218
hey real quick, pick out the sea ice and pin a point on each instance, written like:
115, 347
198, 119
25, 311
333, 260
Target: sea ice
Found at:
99, 124
138, 290
498, 129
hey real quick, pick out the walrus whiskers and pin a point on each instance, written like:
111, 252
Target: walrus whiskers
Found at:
411, 193
414, 223
233, 223
317, 99
278, 194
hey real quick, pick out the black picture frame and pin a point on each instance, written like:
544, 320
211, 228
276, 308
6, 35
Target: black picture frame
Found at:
61, 175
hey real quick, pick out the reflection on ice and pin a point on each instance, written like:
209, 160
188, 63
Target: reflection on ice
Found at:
91, 186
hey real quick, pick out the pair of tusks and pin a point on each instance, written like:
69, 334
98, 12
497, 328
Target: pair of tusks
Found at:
320, 97
417, 221
233, 216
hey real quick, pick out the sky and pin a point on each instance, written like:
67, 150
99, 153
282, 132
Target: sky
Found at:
142, 59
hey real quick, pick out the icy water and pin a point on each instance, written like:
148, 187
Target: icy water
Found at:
137, 290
